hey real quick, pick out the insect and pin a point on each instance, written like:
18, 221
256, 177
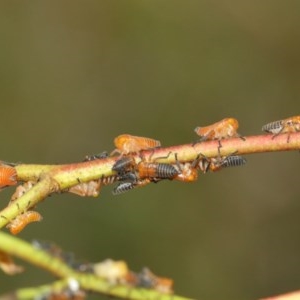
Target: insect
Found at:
8, 175
96, 156
71, 291
148, 279
233, 161
65, 294
22, 220
113, 271
124, 187
288, 125
86, 189
53, 249
225, 128
187, 171
140, 174
91, 188
128, 177
21, 190
7, 264
143, 174
156, 171
127, 143
217, 163
67, 257
123, 164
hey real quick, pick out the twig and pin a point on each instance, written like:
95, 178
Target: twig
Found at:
58, 178
86, 281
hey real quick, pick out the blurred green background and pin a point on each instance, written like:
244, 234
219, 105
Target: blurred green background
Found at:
75, 74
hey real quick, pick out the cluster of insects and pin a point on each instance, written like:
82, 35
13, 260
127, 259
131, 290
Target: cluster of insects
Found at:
131, 169
113, 271
118, 272
133, 174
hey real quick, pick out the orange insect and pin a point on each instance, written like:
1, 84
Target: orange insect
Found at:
91, 188
86, 189
21, 190
288, 125
113, 271
143, 174
140, 174
225, 128
21, 221
144, 169
156, 171
127, 143
7, 264
187, 171
8, 175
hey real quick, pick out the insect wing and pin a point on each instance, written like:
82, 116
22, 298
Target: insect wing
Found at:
126, 143
8, 176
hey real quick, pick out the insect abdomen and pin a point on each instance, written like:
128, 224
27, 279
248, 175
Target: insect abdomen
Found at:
233, 161
123, 188
273, 127
156, 170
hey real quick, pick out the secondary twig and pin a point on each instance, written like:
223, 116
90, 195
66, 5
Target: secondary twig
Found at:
86, 281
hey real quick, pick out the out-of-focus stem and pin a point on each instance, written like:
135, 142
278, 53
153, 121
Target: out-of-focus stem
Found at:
87, 281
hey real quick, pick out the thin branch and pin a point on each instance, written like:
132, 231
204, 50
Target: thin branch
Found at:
19, 248
68, 175
58, 178
86, 281
40, 191
35, 292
